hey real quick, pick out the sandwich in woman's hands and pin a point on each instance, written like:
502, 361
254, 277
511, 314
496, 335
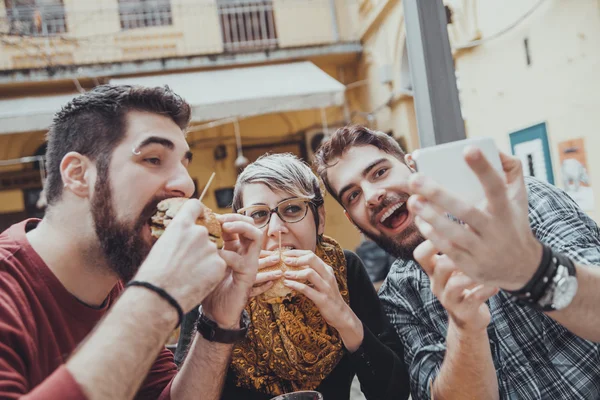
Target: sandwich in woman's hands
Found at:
278, 293
168, 208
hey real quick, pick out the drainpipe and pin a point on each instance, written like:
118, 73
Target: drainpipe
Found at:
334, 21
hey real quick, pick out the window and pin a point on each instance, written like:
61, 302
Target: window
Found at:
144, 13
247, 24
35, 17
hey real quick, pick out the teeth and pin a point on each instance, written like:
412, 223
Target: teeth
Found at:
390, 212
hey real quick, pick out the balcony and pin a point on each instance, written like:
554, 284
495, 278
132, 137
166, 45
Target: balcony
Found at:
135, 14
31, 20
55, 35
247, 25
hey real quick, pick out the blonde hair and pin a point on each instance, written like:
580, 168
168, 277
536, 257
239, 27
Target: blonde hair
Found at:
281, 172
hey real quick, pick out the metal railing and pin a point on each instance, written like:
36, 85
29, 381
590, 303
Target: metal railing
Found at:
43, 20
144, 13
247, 25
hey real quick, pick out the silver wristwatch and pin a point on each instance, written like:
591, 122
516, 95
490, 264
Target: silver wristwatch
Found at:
562, 289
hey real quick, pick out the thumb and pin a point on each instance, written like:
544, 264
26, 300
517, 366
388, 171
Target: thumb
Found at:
189, 212
512, 166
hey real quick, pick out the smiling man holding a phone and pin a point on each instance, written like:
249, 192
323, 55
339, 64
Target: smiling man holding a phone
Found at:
499, 315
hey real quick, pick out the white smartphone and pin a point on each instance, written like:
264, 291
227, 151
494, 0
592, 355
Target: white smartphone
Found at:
446, 165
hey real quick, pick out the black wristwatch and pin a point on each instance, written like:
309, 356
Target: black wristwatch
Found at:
211, 331
552, 287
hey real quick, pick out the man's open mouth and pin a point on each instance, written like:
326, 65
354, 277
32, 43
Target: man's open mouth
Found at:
395, 216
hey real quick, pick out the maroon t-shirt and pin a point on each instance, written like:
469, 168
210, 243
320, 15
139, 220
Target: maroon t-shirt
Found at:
41, 323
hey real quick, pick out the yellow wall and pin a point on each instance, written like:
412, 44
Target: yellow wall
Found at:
260, 130
500, 94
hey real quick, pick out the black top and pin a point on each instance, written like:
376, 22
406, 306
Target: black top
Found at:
379, 361
376, 260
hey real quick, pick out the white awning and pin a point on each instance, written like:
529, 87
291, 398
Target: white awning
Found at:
27, 114
237, 92
242, 92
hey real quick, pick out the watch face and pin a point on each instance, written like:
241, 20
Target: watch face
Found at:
565, 290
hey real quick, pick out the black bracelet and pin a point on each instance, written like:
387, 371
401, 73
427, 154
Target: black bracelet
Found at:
162, 293
534, 290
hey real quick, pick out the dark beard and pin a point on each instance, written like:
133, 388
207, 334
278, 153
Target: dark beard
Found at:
122, 245
402, 245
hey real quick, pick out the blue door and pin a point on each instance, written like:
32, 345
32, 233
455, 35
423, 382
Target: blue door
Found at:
531, 146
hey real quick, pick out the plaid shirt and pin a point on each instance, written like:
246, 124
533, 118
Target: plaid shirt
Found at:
535, 357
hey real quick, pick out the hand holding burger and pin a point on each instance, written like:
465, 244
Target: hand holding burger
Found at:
269, 285
168, 208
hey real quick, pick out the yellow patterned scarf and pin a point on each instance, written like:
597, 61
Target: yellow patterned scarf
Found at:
289, 346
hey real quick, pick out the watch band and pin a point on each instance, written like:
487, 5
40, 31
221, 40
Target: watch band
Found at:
213, 333
538, 293
565, 268
533, 290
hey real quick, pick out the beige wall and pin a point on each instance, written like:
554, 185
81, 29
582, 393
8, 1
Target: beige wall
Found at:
382, 26
310, 22
501, 93
94, 32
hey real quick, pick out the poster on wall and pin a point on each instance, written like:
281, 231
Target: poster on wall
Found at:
530, 145
574, 172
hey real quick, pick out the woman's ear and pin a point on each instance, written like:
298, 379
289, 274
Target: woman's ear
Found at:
74, 171
321, 227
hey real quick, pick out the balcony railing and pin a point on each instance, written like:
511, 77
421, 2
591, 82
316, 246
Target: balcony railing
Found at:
247, 25
144, 13
46, 20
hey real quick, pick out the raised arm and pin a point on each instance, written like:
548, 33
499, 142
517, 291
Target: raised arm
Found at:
511, 226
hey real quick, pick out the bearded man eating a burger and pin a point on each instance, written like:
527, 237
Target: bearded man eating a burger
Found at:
88, 296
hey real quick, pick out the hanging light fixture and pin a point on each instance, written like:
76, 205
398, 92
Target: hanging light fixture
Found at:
241, 162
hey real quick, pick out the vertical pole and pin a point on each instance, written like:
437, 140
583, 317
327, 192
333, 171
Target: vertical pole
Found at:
439, 118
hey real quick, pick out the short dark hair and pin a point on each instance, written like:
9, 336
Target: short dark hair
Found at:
94, 123
345, 138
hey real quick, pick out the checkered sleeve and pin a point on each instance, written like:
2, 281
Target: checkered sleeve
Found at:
557, 221
424, 346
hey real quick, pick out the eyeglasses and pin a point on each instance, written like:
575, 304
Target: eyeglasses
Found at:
290, 211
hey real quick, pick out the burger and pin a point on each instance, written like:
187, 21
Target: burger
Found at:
168, 208
279, 293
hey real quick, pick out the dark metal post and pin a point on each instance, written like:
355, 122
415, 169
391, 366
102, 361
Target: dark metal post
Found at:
439, 119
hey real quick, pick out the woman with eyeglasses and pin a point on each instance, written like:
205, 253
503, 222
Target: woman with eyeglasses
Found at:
335, 329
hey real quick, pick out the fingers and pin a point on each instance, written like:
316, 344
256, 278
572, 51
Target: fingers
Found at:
296, 253
309, 258
306, 290
249, 235
453, 233
424, 254
267, 262
480, 293
233, 218
265, 253
189, 212
512, 166
444, 245
454, 292
263, 277
258, 290
444, 270
234, 261
441, 198
311, 276
491, 180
